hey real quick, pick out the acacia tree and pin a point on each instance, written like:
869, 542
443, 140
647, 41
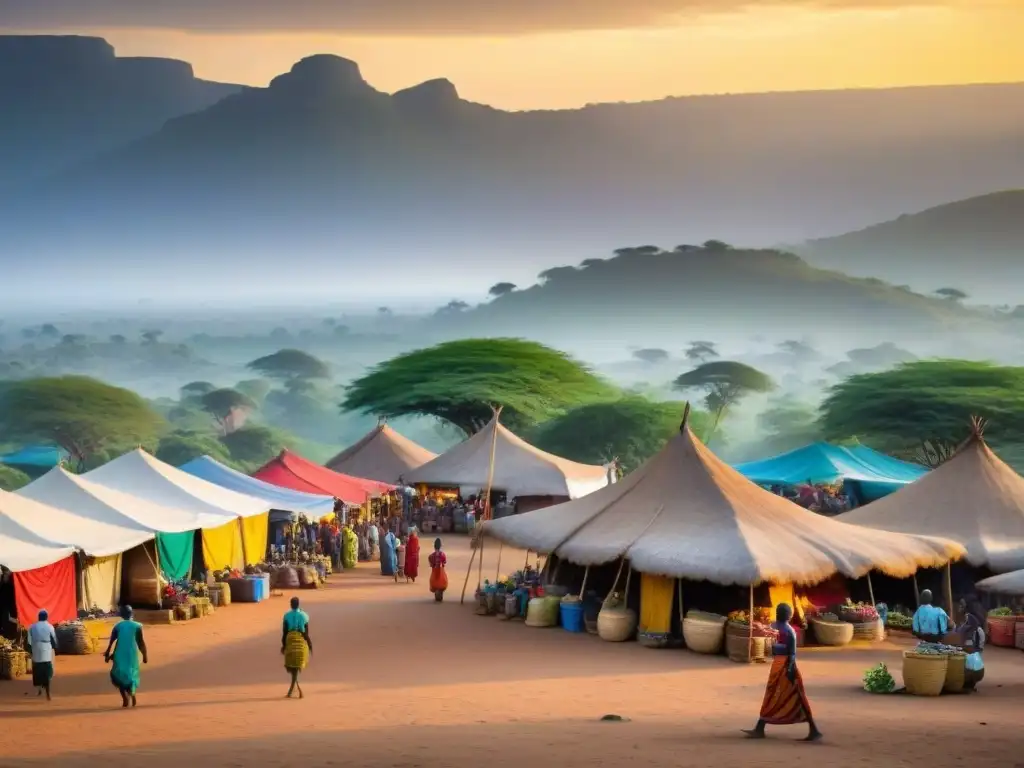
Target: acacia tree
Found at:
922, 410
288, 365
630, 430
724, 383
181, 446
651, 355
501, 289
460, 381
227, 407
701, 351
83, 416
12, 479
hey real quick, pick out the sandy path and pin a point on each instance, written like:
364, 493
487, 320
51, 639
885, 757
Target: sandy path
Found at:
399, 681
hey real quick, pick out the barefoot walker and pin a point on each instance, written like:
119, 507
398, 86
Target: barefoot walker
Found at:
785, 701
43, 640
127, 641
438, 576
295, 644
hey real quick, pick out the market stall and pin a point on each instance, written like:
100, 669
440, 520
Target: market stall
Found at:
233, 526
974, 498
1006, 618
382, 454
688, 516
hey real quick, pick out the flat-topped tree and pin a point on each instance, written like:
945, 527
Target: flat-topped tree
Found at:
724, 383
461, 381
288, 365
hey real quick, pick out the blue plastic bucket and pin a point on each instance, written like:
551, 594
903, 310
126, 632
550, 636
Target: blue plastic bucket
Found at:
572, 616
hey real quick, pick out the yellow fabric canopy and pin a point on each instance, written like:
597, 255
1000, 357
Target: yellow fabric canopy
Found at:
254, 537
656, 603
236, 544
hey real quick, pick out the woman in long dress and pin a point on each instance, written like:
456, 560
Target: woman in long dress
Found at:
388, 555
412, 557
438, 575
296, 644
785, 701
127, 643
349, 548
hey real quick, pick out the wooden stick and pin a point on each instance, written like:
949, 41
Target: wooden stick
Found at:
497, 571
949, 589
750, 627
586, 573
480, 564
615, 583
527, 563
469, 570
490, 467
680, 582
917, 592
871, 590
629, 575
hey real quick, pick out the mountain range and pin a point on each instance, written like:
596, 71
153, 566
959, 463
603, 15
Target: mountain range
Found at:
321, 174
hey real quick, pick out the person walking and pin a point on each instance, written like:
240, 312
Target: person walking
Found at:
126, 643
296, 644
42, 639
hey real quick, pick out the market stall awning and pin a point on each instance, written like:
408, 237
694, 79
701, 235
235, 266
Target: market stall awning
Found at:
974, 498
685, 513
520, 469
1011, 583
383, 455
289, 470
874, 474
20, 548
290, 502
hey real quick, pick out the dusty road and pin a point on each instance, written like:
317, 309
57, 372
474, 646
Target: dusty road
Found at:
398, 681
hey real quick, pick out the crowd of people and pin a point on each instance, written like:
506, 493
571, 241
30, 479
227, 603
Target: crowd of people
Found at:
824, 499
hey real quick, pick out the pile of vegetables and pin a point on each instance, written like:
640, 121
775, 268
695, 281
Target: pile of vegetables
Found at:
1000, 612
899, 621
878, 680
858, 613
762, 626
704, 616
936, 649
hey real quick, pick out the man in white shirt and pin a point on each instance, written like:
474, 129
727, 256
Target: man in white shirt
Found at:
43, 640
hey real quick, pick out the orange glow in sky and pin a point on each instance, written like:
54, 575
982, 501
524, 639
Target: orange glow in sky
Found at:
764, 49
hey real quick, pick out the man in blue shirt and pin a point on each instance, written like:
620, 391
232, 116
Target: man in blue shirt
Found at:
930, 622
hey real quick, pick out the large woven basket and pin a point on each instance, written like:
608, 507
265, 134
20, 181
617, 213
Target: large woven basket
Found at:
871, 631
1002, 630
955, 669
285, 577
924, 674
704, 635
542, 612
220, 594
832, 632
13, 664
616, 625
74, 640
744, 649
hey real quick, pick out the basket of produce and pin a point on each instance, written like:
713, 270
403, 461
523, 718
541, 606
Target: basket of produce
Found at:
858, 613
955, 669
899, 622
704, 632
542, 612
828, 630
616, 622
1002, 625
74, 639
220, 594
286, 577
872, 631
924, 669
744, 643
14, 663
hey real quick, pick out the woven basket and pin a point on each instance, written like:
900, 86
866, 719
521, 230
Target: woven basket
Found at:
832, 632
1001, 631
75, 640
704, 635
955, 670
13, 664
541, 612
743, 648
872, 631
285, 578
220, 593
924, 674
616, 625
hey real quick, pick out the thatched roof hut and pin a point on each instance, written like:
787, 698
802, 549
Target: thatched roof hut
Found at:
382, 454
1011, 583
685, 513
974, 498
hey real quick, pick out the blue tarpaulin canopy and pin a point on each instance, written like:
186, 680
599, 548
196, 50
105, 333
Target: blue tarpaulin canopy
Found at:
284, 503
41, 456
866, 474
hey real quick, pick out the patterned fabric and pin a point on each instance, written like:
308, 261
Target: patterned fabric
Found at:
785, 702
296, 652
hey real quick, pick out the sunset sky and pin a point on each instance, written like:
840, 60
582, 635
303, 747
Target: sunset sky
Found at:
521, 54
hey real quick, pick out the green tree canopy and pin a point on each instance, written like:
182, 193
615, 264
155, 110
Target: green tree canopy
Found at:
922, 410
290, 364
181, 446
651, 355
82, 415
223, 404
12, 479
724, 383
257, 389
459, 382
194, 390
255, 445
701, 351
500, 289
631, 430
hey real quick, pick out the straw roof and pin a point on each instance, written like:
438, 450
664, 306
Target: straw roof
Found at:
382, 454
685, 513
974, 498
519, 468
1011, 583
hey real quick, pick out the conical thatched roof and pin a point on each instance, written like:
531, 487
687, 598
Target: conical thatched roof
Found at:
382, 454
686, 513
974, 498
520, 469
1011, 583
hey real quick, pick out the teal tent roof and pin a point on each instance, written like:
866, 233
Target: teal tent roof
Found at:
42, 456
877, 473
294, 503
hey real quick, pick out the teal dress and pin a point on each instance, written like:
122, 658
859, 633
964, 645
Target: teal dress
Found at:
125, 672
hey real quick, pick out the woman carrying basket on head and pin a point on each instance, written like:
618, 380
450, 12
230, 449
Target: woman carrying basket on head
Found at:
438, 576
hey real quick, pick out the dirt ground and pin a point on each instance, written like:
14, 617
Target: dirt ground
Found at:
399, 681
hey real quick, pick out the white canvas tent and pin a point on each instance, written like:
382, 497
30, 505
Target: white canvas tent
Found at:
20, 548
519, 468
974, 498
1011, 583
687, 514
382, 454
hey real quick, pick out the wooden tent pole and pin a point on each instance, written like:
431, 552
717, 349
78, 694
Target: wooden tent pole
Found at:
583, 589
156, 554
680, 582
469, 570
615, 583
527, 563
917, 592
497, 571
871, 591
750, 626
490, 467
949, 589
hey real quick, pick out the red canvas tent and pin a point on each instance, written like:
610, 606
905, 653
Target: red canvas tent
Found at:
289, 470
